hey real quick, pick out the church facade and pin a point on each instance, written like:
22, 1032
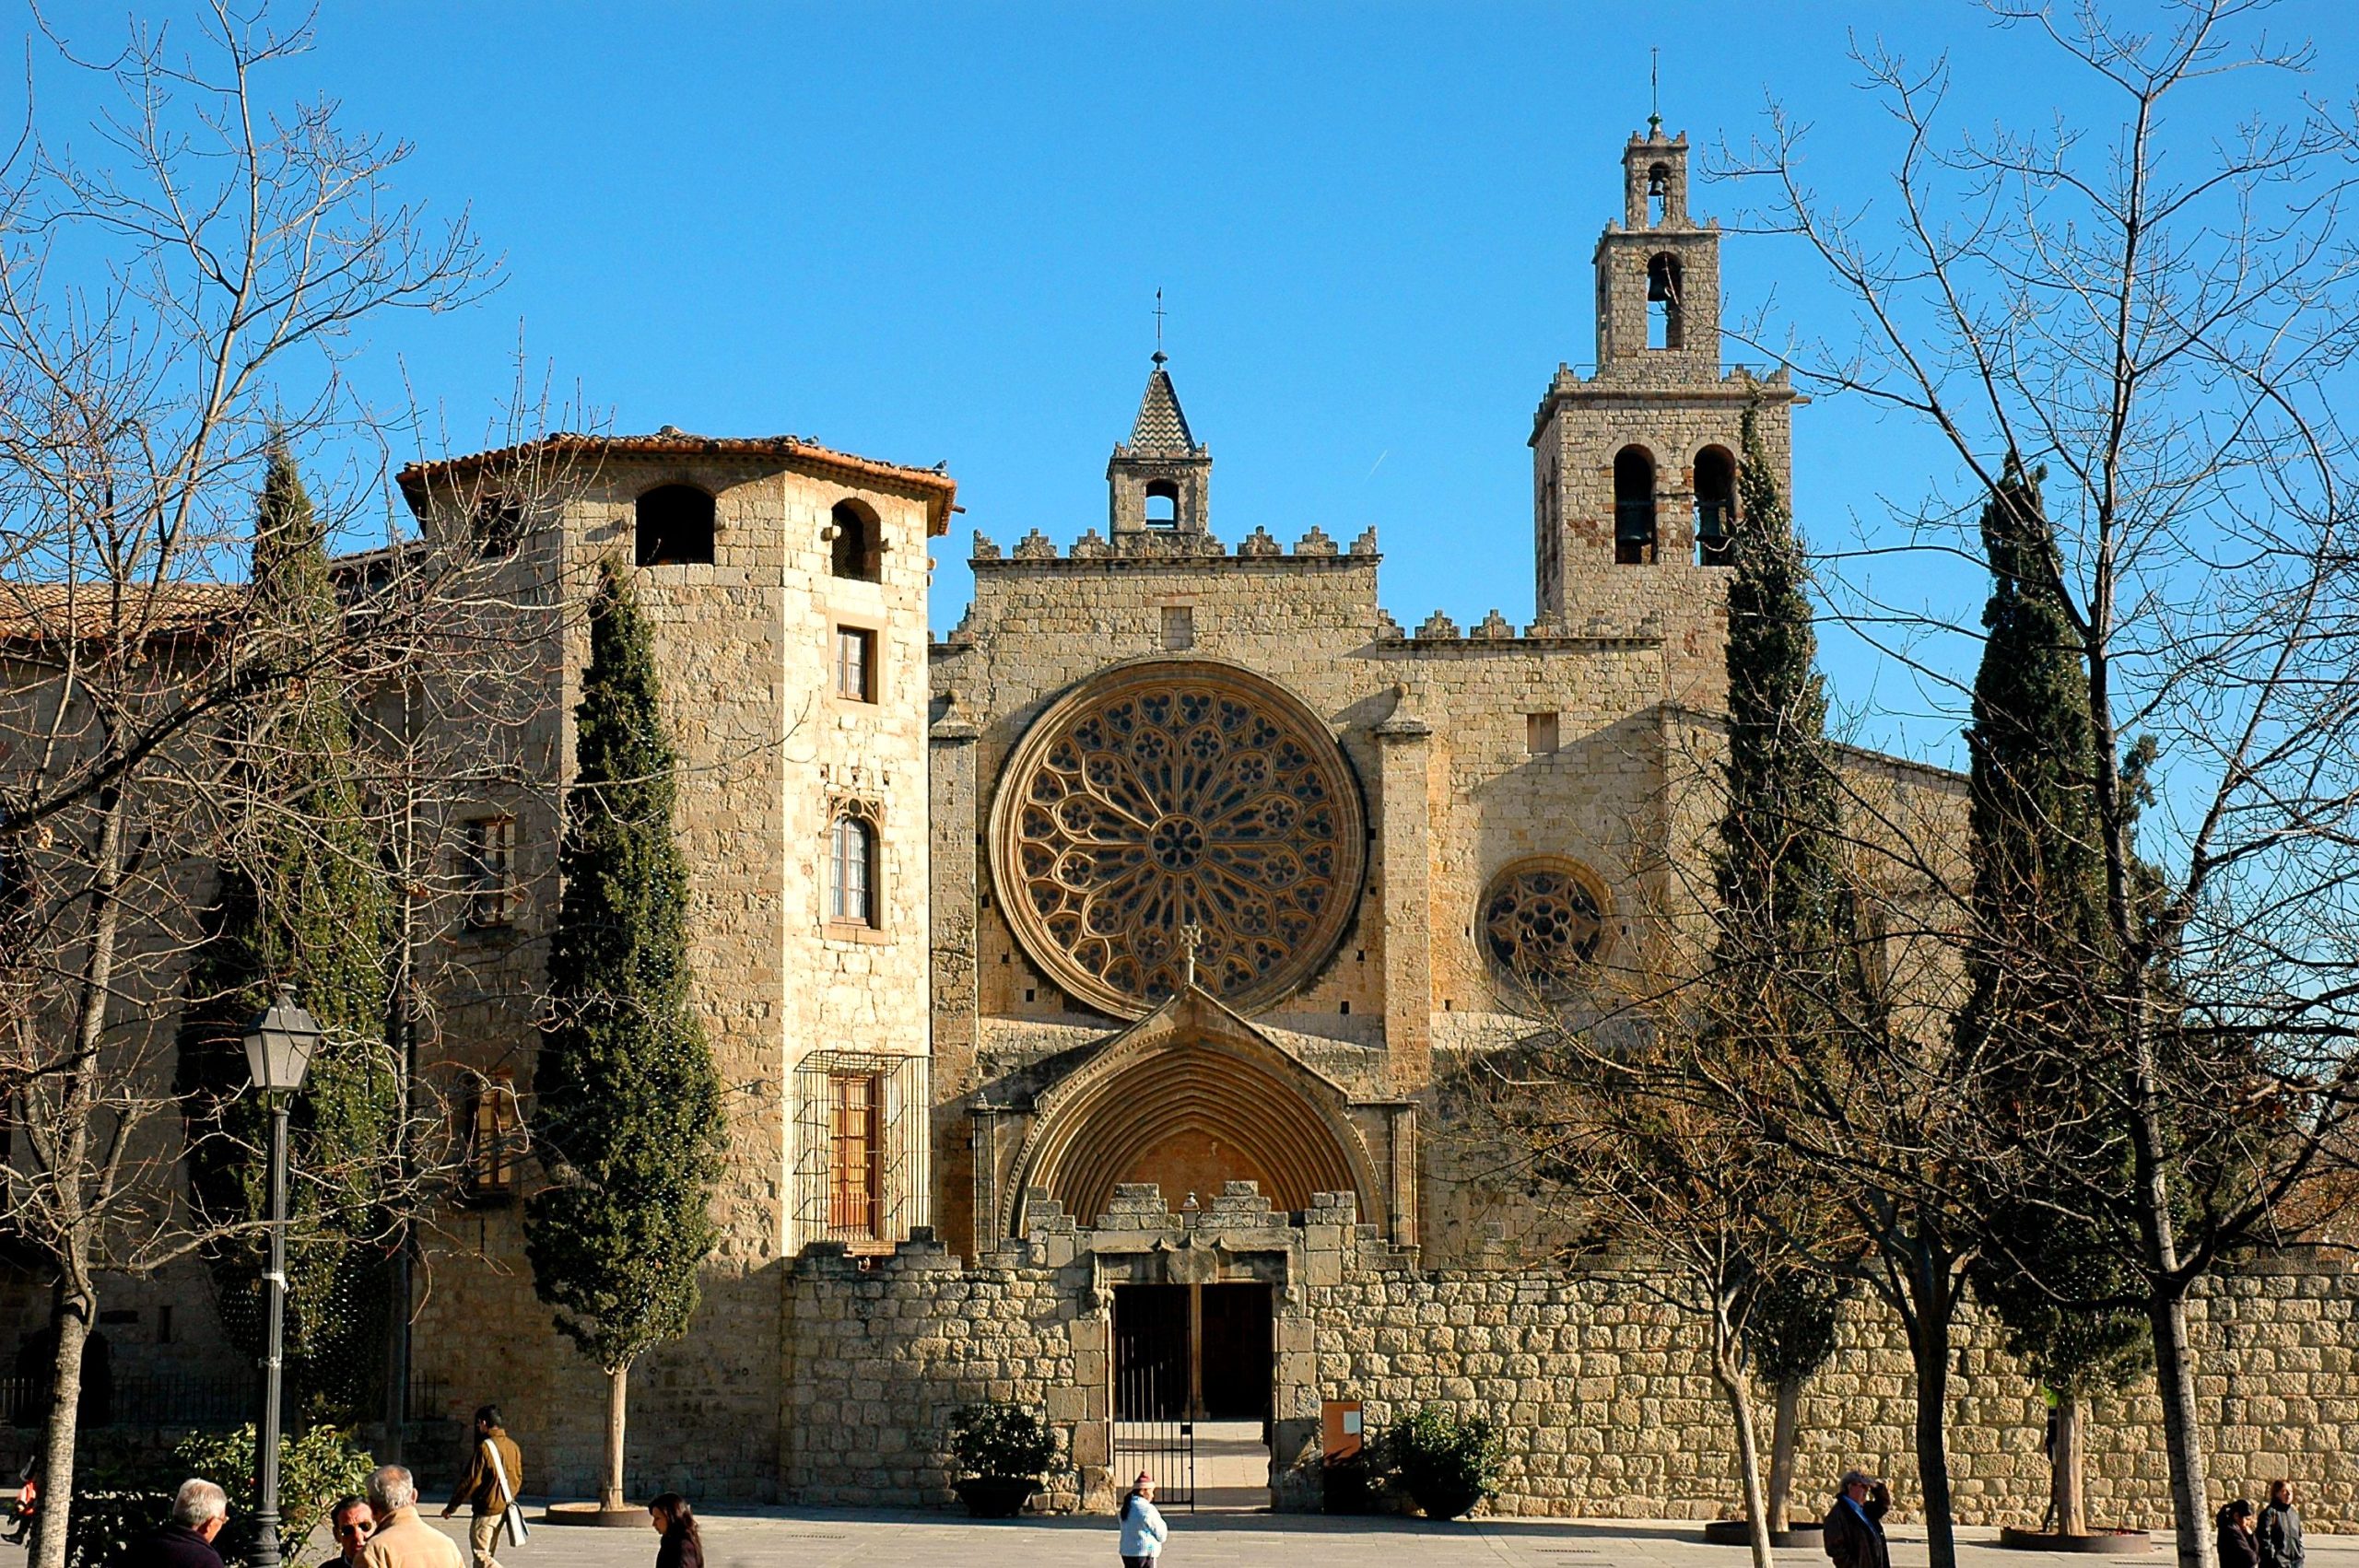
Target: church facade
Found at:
1085, 983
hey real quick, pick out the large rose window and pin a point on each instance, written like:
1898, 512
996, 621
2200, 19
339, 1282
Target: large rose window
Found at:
1170, 805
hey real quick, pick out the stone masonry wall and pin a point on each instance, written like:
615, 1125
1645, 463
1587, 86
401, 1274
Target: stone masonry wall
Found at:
1607, 1406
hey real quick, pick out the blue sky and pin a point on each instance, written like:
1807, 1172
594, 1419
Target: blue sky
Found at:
934, 232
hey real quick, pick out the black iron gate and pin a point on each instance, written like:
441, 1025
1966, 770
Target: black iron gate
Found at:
1152, 1433
1155, 1430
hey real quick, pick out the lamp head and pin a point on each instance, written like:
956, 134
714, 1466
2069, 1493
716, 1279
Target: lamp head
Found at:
279, 1045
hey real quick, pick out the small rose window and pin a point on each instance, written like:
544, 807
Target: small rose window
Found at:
1543, 923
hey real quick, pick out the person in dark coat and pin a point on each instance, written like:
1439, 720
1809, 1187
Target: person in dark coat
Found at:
1854, 1531
2280, 1531
2237, 1547
677, 1523
199, 1510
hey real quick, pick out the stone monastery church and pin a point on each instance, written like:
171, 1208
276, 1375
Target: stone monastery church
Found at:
1083, 982
1087, 972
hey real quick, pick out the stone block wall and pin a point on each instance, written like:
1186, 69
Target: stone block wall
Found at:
1608, 1407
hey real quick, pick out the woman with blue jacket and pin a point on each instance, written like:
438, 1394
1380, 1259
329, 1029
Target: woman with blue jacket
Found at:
1142, 1527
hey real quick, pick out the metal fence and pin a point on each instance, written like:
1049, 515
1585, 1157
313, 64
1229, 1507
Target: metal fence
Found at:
169, 1398
1145, 1439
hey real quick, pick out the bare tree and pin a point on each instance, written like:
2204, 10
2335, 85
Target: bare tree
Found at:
2159, 311
1630, 1135
176, 293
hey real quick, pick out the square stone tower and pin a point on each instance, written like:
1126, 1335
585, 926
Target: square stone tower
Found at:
1634, 464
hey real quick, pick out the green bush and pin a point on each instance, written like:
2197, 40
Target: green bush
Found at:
1446, 1462
314, 1470
1000, 1438
118, 1497
105, 1518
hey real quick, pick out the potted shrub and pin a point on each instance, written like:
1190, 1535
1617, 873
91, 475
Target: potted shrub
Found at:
1447, 1463
1002, 1451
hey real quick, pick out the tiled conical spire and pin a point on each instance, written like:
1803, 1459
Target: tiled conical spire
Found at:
1161, 429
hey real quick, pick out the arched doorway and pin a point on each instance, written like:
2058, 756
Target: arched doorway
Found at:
1189, 1099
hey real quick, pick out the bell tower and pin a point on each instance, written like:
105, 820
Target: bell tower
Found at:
1633, 462
1160, 480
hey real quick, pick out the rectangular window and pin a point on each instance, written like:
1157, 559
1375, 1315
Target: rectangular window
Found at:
855, 664
1178, 627
1540, 733
491, 1138
855, 1138
489, 851
164, 1323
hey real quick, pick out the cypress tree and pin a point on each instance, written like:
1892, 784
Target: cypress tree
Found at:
1784, 964
301, 900
627, 1117
1782, 909
2028, 1025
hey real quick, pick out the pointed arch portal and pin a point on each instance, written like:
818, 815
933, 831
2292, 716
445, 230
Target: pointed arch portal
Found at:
1186, 1104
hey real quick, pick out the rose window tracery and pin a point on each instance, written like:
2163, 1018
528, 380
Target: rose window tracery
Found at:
1541, 923
1171, 795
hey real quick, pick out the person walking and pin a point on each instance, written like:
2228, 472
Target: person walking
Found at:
677, 1523
1143, 1530
27, 1498
185, 1541
401, 1539
1853, 1535
493, 1478
351, 1523
2279, 1532
2235, 1546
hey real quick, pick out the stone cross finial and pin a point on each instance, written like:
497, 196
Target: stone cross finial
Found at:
1191, 937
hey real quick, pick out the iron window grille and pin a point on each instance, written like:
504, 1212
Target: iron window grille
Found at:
860, 1148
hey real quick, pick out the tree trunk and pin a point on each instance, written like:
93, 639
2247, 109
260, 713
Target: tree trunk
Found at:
2067, 1468
610, 1489
1784, 1434
1738, 1388
76, 1306
71, 1318
2175, 1380
1748, 1464
1928, 1349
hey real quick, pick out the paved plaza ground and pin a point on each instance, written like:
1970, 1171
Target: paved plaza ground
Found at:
818, 1539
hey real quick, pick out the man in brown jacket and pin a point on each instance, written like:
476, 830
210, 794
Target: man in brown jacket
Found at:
1854, 1531
480, 1487
403, 1540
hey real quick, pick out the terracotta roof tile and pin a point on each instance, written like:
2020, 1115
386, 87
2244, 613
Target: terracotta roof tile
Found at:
938, 490
39, 612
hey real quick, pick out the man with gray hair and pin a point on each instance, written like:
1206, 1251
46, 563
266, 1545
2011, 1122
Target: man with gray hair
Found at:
403, 1540
199, 1510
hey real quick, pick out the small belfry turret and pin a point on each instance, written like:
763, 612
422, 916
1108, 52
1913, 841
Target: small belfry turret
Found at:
1634, 465
1658, 272
1160, 480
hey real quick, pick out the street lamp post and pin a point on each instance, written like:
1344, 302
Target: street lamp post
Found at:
278, 1051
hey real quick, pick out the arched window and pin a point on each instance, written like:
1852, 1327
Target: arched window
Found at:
851, 871
1658, 193
855, 549
1634, 507
1663, 302
674, 527
1162, 504
1715, 506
